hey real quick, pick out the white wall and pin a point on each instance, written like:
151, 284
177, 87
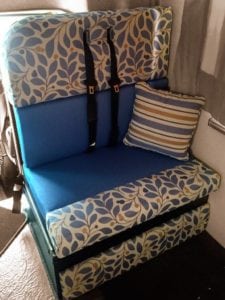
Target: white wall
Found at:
209, 146
72, 5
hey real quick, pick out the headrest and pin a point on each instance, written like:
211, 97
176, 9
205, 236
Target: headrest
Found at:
44, 55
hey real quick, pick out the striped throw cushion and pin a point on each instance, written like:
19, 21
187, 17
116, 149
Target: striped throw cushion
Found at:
163, 121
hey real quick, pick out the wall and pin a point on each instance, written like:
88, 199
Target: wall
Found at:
72, 5
113, 4
209, 146
197, 56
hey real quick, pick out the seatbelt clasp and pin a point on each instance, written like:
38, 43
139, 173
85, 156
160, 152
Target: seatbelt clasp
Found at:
91, 89
116, 88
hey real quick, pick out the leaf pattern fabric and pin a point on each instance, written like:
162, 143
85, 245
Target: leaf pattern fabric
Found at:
94, 271
76, 226
44, 56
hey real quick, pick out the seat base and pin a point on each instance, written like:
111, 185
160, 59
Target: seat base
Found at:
71, 279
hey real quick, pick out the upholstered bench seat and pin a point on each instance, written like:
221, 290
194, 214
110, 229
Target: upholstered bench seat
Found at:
97, 214
107, 191
65, 181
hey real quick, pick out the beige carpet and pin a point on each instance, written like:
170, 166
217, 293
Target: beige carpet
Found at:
22, 275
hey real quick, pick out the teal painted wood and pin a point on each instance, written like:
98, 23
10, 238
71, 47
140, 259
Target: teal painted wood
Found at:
44, 246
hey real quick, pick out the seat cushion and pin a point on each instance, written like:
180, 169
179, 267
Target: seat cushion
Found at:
114, 211
43, 56
96, 195
66, 181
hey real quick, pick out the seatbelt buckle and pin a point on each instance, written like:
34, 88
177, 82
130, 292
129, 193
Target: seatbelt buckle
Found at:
91, 89
116, 88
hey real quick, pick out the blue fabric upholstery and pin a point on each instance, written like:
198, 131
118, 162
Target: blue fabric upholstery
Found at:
63, 182
58, 129
52, 52
51, 131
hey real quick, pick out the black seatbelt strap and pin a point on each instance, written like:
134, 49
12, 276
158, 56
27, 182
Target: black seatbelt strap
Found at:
114, 83
91, 84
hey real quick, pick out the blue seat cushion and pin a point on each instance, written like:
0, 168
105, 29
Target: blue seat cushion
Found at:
72, 179
58, 129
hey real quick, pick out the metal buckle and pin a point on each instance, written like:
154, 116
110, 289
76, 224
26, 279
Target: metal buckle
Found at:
91, 89
116, 88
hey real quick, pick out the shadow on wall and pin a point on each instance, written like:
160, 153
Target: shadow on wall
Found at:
212, 80
197, 58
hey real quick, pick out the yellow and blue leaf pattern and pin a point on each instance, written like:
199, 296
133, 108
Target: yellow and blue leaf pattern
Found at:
44, 56
96, 270
83, 223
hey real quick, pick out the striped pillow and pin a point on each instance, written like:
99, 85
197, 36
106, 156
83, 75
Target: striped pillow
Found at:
163, 121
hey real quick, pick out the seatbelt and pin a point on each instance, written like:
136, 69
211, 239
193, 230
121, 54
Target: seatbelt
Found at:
91, 84
114, 83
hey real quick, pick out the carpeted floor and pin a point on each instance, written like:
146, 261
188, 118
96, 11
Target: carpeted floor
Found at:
22, 275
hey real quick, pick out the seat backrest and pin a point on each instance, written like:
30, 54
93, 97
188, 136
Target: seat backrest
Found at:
44, 60
58, 129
